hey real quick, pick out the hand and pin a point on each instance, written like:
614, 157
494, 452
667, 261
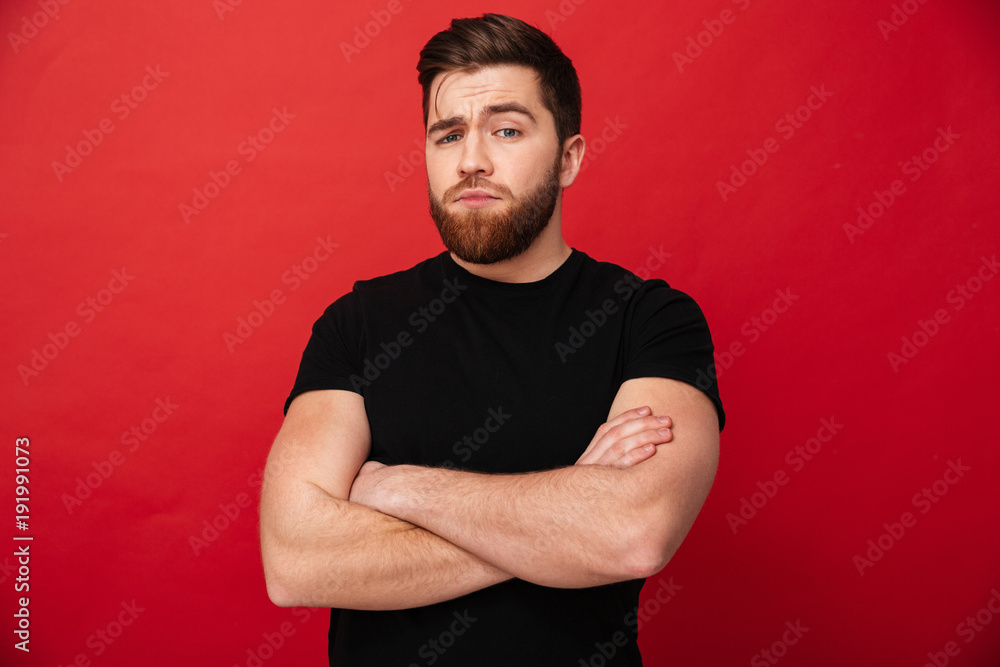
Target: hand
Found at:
629, 438
366, 486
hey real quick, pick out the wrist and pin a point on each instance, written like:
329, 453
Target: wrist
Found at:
396, 497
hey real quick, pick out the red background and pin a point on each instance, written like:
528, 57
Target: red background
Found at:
653, 184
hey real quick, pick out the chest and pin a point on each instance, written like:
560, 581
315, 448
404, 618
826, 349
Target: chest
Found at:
492, 389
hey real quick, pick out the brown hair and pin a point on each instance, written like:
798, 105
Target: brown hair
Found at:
494, 39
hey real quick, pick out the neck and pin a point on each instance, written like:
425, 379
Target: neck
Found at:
545, 255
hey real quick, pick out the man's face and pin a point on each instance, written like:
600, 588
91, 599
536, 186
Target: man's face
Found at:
493, 162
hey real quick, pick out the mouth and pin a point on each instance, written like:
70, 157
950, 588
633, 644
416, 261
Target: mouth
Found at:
476, 198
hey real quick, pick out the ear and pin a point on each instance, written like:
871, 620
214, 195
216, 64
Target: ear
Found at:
572, 157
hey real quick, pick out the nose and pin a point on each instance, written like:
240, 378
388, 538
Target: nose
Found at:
475, 158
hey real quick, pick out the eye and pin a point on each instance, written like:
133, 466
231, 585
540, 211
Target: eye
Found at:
445, 140
513, 132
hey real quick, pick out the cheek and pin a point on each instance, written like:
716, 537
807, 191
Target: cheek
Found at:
437, 171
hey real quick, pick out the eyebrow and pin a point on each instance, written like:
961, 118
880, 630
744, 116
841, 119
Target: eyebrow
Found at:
491, 110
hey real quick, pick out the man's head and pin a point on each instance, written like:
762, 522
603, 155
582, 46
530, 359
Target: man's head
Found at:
494, 39
501, 107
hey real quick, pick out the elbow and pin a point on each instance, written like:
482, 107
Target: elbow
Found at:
279, 579
280, 595
646, 561
279, 590
650, 548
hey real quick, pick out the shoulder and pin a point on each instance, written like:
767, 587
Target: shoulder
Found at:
391, 287
605, 271
641, 294
429, 267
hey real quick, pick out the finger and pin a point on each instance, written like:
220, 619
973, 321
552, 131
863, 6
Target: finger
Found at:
626, 429
634, 413
624, 447
610, 448
634, 456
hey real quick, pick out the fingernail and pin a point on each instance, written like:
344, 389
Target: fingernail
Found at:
644, 410
664, 431
664, 420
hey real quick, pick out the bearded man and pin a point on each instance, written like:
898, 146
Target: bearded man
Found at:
484, 456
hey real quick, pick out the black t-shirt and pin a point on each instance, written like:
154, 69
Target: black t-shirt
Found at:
461, 371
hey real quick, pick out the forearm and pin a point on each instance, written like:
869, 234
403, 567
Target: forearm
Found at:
569, 528
342, 554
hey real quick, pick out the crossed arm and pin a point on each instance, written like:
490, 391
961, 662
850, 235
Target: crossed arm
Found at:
338, 532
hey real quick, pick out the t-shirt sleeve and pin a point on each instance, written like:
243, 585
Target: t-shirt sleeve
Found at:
330, 359
669, 338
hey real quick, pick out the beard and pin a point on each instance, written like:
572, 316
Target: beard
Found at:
485, 236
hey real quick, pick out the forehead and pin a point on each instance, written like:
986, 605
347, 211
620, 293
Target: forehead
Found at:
458, 93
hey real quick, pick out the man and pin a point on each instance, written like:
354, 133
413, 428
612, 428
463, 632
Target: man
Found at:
485, 455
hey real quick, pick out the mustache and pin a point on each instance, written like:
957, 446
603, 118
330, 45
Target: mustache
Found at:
473, 183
